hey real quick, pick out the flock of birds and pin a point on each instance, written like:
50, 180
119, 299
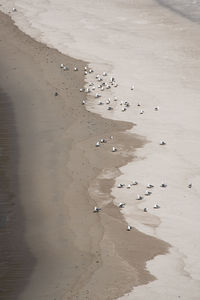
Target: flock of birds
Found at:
98, 87
101, 86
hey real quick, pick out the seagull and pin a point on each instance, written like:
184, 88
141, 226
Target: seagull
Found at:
114, 149
139, 197
97, 95
120, 185
126, 104
163, 185
134, 183
96, 209
147, 193
121, 205
162, 143
103, 141
156, 206
97, 144
190, 185
149, 186
75, 69
129, 228
145, 209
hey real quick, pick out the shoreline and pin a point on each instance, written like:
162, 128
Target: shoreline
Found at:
56, 137
156, 50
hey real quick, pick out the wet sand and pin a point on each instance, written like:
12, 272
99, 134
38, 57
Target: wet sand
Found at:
74, 254
16, 260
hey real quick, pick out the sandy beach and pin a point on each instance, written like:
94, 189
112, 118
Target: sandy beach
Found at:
150, 49
71, 252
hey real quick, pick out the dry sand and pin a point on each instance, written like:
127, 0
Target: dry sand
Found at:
76, 254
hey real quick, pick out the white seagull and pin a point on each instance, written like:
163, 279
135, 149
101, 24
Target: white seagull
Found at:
96, 209
120, 185
156, 206
149, 186
134, 183
147, 193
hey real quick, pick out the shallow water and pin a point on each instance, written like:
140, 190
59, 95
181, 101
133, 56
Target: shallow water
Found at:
187, 8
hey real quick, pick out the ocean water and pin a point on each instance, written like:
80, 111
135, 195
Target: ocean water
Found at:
187, 8
156, 48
